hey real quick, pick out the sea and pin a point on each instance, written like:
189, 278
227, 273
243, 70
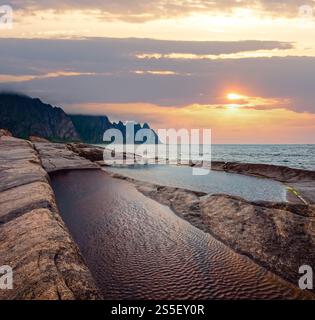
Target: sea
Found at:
301, 156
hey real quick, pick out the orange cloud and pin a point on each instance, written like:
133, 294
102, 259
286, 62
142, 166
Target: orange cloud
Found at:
228, 125
21, 78
156, 72
283, 52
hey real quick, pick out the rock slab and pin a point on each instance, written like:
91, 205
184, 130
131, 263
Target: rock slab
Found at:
56, 157
34, 241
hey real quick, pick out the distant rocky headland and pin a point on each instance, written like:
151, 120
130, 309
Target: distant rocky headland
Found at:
25, 116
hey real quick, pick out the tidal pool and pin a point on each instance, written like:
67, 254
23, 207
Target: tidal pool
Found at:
249, 188
139, 249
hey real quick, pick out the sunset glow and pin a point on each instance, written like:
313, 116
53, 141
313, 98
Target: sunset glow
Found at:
234, 96
227, 59
229, 123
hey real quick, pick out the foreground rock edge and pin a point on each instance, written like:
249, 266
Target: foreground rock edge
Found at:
34, 241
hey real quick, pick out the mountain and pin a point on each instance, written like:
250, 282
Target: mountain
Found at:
25, 117
91, 129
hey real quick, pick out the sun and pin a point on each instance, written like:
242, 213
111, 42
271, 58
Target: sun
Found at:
234, 96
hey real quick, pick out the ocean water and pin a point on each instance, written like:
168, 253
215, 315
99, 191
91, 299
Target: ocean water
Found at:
295, 156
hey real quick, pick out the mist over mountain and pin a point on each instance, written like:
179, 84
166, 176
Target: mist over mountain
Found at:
25, 116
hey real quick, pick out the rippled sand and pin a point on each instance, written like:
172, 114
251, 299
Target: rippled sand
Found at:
137, 248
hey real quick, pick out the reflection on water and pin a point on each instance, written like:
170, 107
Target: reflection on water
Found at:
138, 249
249, 188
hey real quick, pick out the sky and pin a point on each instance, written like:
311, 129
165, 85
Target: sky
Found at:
244, 69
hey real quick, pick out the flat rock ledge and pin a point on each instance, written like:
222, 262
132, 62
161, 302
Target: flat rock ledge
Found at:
277, 236
34, 241
57, 156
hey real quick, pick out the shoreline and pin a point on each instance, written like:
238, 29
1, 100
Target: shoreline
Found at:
42, 158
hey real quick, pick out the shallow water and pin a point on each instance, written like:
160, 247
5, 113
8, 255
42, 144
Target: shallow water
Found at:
137, 248
249, 188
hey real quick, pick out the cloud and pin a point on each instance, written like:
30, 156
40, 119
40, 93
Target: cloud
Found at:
146, 10
4, 78
239, 125
38, 57
107, 70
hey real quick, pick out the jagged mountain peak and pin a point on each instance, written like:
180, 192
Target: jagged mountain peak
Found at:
25, 116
